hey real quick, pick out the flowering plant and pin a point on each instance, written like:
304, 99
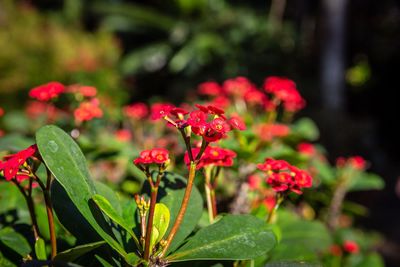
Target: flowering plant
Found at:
240, 147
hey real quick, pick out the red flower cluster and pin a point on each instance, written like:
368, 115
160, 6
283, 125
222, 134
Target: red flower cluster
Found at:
88, 110
212, 155
83, 90
285, 91
47, 91
356, 162
348, 246
282, 91
155, 155
207, 121
136, 111
267, 132
12, 166
306, 149
282, 176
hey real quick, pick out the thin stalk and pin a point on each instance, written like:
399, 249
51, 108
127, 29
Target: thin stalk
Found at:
279, 199
50, 216
149, 230
187, 143
209, 202
31, 209
336, 205
182, 210
153, 201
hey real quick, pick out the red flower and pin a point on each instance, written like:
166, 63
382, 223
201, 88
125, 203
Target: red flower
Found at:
160, 110
212, 155
136, 111
282, 176
1, 112
123, 135
285, 91
84, 90
47, 91
13, 162
219, 125
155, 155
306, 149
356, 162
237, 87
267, 132
351, 247
88, 110
255, 97
254, 181
197, 118
221, 101
237, 123
209, 88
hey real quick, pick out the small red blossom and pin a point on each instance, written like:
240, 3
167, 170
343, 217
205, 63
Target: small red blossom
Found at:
123, 135
83, 90
255, 97
155, 155
220, 125
88, 110
47, 91
1, 112
267, 132
237, 122
14, 162
160, 110
306, 149
269, 202
254, 181
214, 156
237, 87
282, 176
209, 89
285, 91
136, 111
36, 109
351, 247
221, 101
355, 162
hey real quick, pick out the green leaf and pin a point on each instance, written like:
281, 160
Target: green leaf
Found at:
106, 207
367, 181
109, 194
161, 220
306, 129
170, 193
40, 249
74, 253
301, 240
234, 237
15, 241
132, 259
66, 162
4, 262
154, 236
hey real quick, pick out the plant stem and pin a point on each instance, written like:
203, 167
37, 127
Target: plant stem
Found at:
279, 199
31, 209
153, 200
50, 216
336, 205
182, 210
149, 230
209, 202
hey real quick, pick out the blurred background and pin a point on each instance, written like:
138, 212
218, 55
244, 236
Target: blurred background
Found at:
343, 54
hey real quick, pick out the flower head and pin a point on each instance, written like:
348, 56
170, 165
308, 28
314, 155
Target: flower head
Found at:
209, 89
282, 176
88, 110
160, 110
136, 111
47, 91
355, 162
213, 155
13, 163
152, 156
351, 247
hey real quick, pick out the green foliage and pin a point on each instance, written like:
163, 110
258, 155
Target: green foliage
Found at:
15, 241
66, 162
233, 237
40, 249
78, 251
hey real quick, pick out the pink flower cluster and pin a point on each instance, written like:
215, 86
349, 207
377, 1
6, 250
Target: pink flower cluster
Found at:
152, 156
212, 155
276, 90
282, 176
12, 167
206, 121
